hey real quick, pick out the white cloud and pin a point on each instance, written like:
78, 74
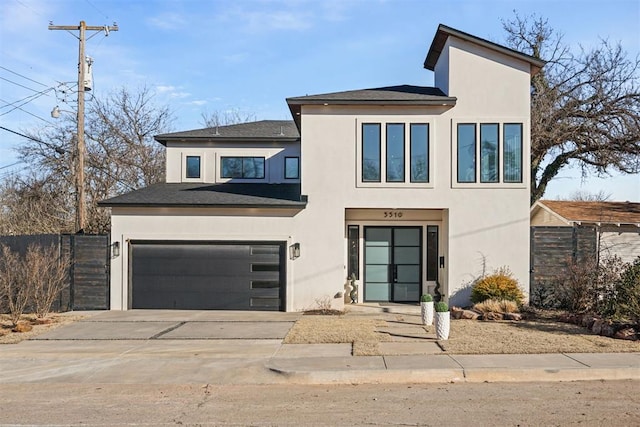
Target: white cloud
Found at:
167, 21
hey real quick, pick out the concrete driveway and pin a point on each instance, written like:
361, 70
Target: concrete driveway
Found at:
172, 324
152, 346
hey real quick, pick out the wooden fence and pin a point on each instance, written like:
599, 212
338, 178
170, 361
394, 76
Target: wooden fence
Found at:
553, 247
88, 279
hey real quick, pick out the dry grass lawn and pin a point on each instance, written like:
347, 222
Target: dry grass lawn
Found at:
540, 335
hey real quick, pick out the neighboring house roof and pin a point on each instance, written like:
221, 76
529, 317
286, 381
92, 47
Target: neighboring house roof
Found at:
445, 32
574, 212
389, 95
212, 195
263, 130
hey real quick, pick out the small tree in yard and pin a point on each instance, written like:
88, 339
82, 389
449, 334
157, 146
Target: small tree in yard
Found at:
15, 292
47, 272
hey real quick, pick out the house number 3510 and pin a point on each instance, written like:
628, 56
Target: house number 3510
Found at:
393, 214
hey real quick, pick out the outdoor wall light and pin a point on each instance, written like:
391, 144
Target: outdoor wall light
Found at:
294, 251
115, 249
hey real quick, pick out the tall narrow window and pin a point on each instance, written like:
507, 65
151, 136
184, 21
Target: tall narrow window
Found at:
432, 252
193, 167
292, 167
466, 152
395, 152
354, 251
489, 160
371, 152
419, 152
512, 152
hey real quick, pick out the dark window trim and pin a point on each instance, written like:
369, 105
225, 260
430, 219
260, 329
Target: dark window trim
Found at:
475, 153
497, 125
285, 167
379, 125
386, 151
411, 151
242, 161
187, 175
504, 146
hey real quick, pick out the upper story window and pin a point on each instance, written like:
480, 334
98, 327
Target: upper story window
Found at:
499, 154
192, 167
242, 167
292, 167
394, 153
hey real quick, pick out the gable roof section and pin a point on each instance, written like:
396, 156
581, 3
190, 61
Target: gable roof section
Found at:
212, 195
573, 212
444, 32
263, 130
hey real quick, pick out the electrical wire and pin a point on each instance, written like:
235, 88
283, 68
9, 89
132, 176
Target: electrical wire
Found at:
23, 76
29, 113
18, 84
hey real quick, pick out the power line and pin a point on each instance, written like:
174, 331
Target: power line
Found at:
23, 135
29, 113
23, 76
18, 84
35, 96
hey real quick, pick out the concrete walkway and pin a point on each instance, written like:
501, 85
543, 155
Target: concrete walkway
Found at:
205, 347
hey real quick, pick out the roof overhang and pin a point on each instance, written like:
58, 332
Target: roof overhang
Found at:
443, 33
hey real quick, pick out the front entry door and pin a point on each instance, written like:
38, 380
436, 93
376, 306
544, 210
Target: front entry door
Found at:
392, 264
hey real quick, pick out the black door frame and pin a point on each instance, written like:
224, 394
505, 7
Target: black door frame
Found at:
420, 229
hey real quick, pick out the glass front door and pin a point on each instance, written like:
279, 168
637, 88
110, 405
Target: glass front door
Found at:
392, 264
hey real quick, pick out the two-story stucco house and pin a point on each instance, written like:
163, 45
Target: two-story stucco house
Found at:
404, 187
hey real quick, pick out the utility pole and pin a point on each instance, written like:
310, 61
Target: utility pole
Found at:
81, 208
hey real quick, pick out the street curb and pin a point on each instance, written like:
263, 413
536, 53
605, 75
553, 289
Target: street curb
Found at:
473, 375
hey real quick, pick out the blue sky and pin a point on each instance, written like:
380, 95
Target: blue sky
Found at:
249, 55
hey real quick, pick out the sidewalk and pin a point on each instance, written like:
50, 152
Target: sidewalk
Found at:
172, 347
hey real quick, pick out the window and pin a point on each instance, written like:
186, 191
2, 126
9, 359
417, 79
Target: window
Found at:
512, 152
371, 152
292, 167
354, 251
243, 167
466, 152
489, 160
499, 154
419, 152
193, 167
395, 152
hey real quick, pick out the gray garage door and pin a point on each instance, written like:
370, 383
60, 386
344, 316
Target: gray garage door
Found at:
207, 276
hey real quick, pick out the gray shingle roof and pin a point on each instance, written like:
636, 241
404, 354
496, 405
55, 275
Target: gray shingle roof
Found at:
403, 94
444, 32
212, 195
276, 130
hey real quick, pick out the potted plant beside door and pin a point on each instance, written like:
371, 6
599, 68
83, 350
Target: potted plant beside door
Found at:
442, 320
426, 309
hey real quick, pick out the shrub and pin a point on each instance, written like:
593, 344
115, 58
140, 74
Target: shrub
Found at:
494, 306
627, 293
426, 298
498, 286
46, 271
14, 290
441, 307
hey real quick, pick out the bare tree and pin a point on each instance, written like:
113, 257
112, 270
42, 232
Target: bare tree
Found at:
121, 155
47, 270
15, 291
586, 196
585, 106
225, 118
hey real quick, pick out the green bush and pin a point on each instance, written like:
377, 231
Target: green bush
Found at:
627, 293
441, 307
426, 298
498, 286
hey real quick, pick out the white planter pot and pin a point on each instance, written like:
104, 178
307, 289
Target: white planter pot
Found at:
426, 309
443, 323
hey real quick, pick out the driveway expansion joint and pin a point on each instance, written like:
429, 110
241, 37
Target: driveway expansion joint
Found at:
166, 331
